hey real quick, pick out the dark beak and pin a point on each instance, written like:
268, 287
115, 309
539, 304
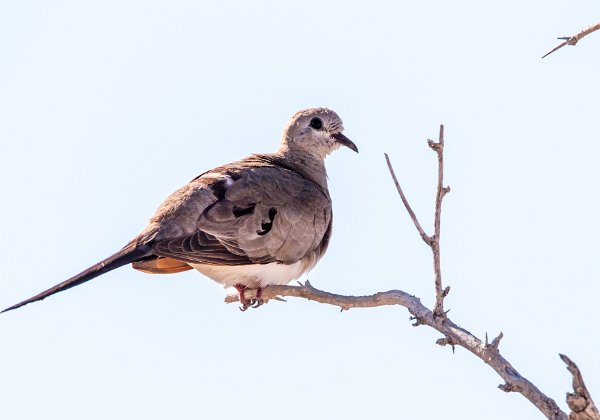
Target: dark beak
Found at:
345, 141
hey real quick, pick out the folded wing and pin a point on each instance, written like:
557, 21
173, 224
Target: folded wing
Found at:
255, 215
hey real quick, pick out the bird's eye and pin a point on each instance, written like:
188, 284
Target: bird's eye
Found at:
316, 123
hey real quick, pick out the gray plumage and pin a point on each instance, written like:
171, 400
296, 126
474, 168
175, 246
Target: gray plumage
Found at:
262, 220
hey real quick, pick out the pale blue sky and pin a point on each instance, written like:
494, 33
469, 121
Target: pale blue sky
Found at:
108, 106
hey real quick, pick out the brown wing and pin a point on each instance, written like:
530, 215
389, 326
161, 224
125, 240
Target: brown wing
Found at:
244, 216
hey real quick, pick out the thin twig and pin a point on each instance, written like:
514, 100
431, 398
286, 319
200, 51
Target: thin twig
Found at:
432, 241
573, 40
438, 147
410, 211
454, 335
580, 402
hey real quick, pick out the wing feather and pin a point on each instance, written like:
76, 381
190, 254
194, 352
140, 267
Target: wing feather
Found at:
251, 215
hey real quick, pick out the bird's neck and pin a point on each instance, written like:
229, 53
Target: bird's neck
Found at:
310, 165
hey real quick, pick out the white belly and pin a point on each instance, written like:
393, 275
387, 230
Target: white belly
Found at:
255, 275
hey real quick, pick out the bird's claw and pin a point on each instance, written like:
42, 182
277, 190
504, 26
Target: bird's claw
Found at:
249, 303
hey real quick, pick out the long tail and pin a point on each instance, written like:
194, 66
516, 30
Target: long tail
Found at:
128, 254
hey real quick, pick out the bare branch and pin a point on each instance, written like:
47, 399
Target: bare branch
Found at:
426, 238
580, 402
432, 241
454, 335
573, 40
440, 293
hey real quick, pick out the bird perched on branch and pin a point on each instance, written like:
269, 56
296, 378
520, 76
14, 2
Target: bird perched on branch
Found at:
262, 220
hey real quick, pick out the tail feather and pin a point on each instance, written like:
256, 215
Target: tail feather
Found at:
128, 254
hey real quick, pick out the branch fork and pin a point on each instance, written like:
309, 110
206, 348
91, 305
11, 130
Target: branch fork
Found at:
432, 241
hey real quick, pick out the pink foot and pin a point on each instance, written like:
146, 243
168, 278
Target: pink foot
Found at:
248, 303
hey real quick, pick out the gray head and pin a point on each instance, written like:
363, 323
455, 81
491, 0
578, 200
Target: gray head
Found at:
316, 131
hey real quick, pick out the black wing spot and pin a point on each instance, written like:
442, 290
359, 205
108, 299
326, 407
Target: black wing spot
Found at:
218, 188
265, 227
233, 175
242, 211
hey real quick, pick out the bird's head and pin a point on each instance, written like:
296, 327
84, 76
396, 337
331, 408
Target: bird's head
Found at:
316, 131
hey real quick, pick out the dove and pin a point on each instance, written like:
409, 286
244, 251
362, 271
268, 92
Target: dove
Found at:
262, 220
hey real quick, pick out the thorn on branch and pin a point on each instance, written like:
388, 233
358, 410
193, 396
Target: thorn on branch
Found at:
417, 321
446, 341
436, 146
495, 342
572, 40
445, 293
507, 387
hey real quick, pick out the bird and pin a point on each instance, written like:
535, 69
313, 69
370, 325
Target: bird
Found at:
262, 220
